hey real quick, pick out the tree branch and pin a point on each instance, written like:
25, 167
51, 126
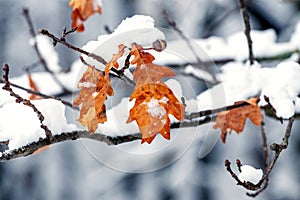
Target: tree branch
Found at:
26, 102
38, 53
247, 30
277, 148
199, 63
30, 91
74, 135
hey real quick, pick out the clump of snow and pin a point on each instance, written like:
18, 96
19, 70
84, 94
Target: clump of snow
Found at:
138, 28
241, 81
47, 52
20, 124
155, 109
250, 174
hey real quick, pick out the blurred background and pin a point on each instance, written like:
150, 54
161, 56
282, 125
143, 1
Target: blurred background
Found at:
70, 171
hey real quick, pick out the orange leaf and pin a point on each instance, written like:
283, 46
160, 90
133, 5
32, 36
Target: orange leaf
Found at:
154, 101
33, 87
95, 86
235, 119
82, 10
146, 71
91, 112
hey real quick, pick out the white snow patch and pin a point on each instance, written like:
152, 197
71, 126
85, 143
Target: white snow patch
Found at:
20, 124
241, 81
155, 109
86, 85
138, 28
47, 51
250, 174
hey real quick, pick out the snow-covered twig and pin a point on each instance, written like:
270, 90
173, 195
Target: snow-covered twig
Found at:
247, 29
74, 135
264, 181
67, 103
26, 102
92, 55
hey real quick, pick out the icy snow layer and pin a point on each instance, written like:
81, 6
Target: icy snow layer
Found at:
250, 174
241, 81
139, 29
20, 124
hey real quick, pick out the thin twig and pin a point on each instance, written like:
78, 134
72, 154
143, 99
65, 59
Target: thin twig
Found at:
68, 45
92, 55
40, 94
277, 148
203, 113
247, 30
265, 145
200, 63
38, 53
26, 102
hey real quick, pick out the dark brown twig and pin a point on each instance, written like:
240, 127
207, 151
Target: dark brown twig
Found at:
203, 113
92, 55
74, 135
26, 102
247, 30
277, 148
265, 145
40, 94
273, 110
38, 53
199, 63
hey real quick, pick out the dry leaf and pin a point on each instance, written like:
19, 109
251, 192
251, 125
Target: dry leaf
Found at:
33, 87
82, 10
154, 100
146, 71
235, 119
91, 111
95, 86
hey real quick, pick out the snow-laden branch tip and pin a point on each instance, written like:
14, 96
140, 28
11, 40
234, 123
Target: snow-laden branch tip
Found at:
249, 173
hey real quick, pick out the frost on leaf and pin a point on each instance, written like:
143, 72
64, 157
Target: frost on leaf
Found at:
235, 119
82, 10
154, 100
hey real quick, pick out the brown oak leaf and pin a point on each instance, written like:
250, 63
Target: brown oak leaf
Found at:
92, 110
146, 71
154, 101
235, 119
95, 86
82, 10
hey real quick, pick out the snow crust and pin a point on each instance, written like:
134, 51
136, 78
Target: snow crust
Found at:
20, 124
241, 81
138, 28
250, 174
